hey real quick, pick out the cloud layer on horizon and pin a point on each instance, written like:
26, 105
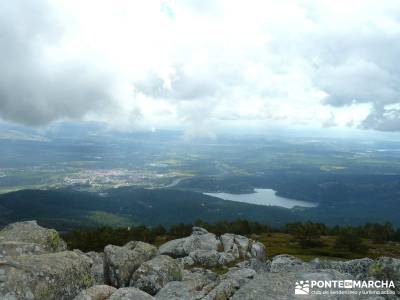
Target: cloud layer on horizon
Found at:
197, 64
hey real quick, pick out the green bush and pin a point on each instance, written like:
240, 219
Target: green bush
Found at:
348, 239
307, 235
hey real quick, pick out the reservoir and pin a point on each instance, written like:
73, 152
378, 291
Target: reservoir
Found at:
263, 197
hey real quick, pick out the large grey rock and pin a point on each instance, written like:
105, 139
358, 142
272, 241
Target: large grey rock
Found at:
10, 249
229, 283
199, 230
130, 293
223, 291
97, 262
254, 264
186, 261
204, 241
173, 248
205, 258
228, 241
356, 267
200, 279
96, 292
200, 239
386, 268
280, 286
241, 275
257, 251
121, 262
58, 276
243, 247
177, 290
226, 258
243, 244
287, 263
97, 266
31, 232
156, 273
196, 283
208, 258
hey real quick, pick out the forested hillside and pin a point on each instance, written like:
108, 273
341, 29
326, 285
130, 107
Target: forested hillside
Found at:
67, 209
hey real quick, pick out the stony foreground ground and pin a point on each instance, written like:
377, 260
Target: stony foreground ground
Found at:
35, 264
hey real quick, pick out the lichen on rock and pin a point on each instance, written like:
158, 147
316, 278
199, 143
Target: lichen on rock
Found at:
156, 273
58, 275
121, 262
31, 232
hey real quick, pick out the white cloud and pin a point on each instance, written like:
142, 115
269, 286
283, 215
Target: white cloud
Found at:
198, 64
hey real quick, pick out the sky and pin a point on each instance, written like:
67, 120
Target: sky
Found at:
201, 65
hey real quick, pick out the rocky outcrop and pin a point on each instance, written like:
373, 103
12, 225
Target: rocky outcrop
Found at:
121, 262
28, 238
356, 267
31, 232
200, 239
202, 248
11, 249
156, 273
280, 285
243, 247
33, 267
46, 276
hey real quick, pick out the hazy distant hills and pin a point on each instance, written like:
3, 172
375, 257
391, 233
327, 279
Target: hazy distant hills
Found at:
67, 209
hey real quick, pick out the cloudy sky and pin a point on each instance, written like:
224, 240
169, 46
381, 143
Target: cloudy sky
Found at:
199, 64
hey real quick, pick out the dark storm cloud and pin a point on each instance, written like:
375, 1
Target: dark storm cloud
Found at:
35, 90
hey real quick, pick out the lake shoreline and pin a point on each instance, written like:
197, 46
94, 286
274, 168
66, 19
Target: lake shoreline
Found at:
266, 197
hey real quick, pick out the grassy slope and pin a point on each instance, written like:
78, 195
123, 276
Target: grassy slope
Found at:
281, 243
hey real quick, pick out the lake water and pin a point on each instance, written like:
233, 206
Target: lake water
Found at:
263, 197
